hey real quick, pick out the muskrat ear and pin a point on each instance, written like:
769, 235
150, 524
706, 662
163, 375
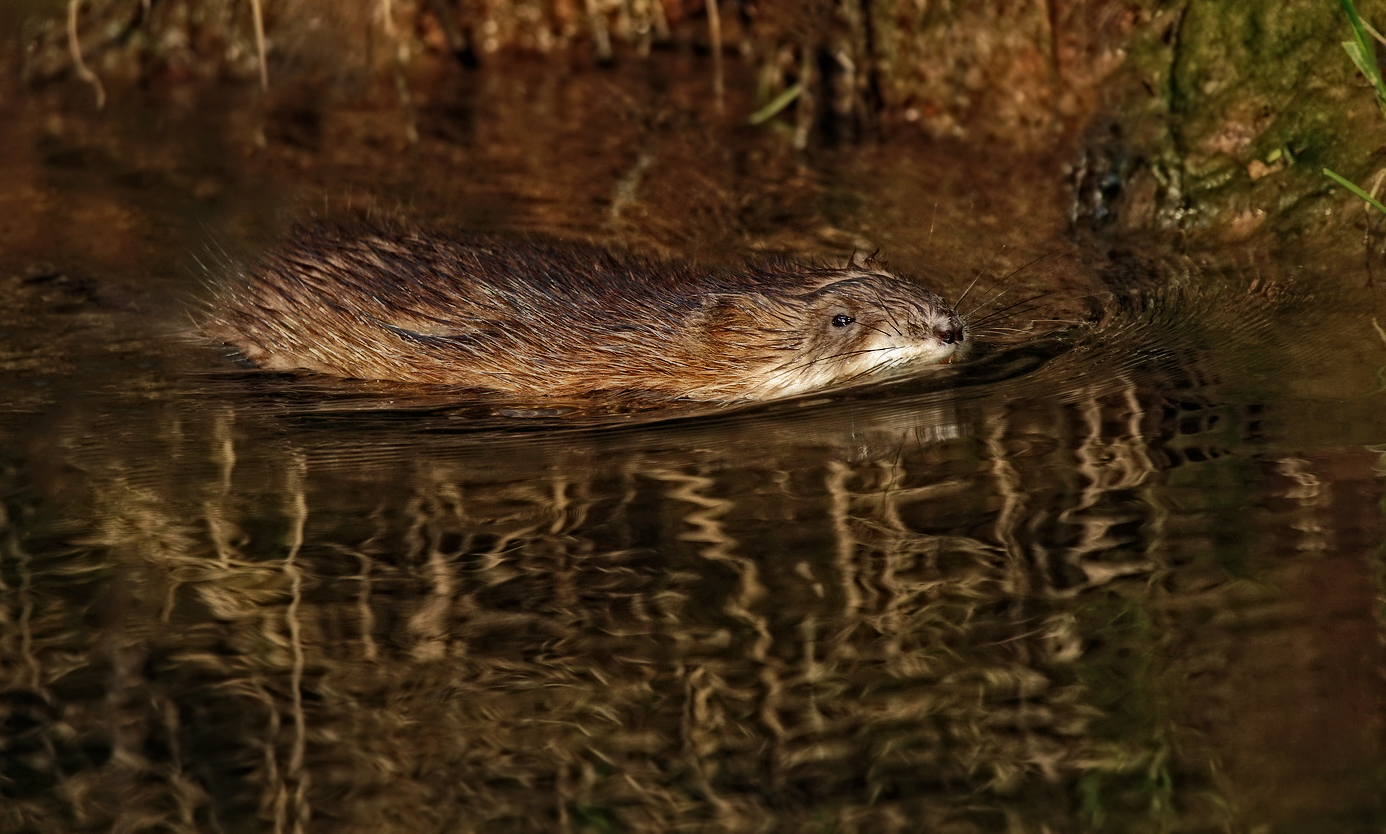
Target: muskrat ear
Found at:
863, 261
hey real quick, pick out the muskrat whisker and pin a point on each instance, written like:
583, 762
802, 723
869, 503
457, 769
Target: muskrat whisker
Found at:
991, 321
882, 332
984, 304
994, 314
847, 354
1008, 275
980, 272
973, 283
895, 325
863, 374
799, 368
1035, 260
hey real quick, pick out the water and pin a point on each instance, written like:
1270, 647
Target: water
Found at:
1121, 571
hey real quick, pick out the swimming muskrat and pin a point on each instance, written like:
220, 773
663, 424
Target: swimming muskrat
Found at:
535, 318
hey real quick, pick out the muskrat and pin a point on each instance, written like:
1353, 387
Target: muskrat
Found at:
541, 318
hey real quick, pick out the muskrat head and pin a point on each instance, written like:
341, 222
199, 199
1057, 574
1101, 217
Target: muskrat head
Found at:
861, 324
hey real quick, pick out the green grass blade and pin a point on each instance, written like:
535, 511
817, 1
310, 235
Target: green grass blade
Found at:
780, 102
1355, 190
1362, 51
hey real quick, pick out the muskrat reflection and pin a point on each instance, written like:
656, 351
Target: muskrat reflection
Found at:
540, 318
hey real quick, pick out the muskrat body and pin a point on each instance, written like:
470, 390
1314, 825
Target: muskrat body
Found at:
549, 319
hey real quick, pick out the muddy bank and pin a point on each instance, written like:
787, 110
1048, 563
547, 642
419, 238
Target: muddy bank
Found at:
1207, 121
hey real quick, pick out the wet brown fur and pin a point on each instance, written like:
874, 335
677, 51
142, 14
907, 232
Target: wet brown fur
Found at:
550, 319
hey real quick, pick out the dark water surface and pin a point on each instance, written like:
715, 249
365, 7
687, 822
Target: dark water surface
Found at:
1121, 571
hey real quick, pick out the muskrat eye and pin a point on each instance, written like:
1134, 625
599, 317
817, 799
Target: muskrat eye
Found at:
842, 320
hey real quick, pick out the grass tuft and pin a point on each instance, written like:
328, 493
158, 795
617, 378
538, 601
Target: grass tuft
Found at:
1362, 50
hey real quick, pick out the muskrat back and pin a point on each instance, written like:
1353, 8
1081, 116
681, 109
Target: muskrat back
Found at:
536, 318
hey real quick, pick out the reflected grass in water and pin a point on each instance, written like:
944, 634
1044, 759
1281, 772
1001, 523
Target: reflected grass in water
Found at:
663, 641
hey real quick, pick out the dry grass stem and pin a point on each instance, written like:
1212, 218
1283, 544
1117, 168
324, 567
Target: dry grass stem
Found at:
75, 45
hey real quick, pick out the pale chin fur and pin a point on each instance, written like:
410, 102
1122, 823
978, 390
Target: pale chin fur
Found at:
811, 379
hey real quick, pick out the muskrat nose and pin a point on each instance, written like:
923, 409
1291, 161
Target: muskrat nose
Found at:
949, 333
